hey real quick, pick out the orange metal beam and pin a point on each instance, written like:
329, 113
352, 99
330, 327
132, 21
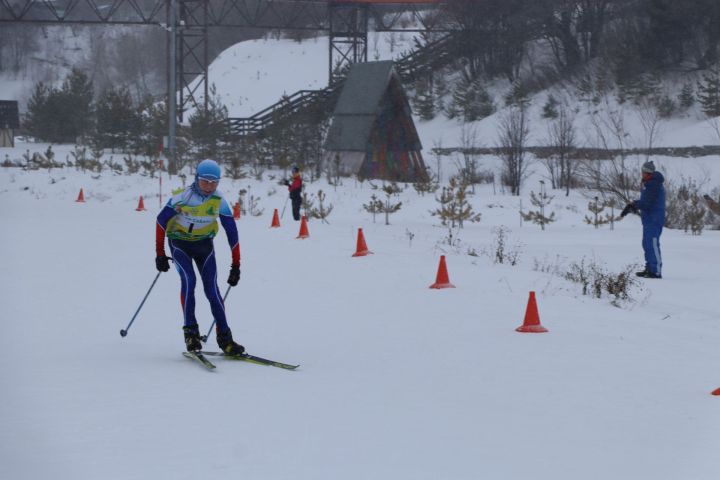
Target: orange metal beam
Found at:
380, 2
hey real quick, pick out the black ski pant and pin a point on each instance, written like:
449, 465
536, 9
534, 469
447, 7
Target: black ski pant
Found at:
296, 202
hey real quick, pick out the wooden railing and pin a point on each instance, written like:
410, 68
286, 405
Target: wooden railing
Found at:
411, 66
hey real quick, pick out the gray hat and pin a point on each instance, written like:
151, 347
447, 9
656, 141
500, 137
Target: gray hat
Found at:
648, 167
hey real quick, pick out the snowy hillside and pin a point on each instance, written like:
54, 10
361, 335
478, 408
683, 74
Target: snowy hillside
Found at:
251, 76
397, 381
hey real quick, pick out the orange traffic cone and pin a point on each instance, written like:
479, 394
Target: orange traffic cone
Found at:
236, 211
531, 324
81, 197
716, 391
442, 280
303, 228
276, 220
361, 250
141, 205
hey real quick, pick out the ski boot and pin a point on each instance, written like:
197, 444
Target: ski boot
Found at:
227, 345
192, 339
648, 274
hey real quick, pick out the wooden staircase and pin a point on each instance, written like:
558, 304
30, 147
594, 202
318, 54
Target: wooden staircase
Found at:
410, 67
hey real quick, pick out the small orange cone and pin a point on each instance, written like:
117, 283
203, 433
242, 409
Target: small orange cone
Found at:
141, 205
303, 228
442, 280
361, 250
276, 220
81, 197
531, 324
716, 391
236, 211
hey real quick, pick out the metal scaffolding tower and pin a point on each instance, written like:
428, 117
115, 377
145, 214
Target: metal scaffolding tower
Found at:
187, 23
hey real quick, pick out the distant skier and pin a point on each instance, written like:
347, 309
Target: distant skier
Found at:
651, 207
190, 221
295, 189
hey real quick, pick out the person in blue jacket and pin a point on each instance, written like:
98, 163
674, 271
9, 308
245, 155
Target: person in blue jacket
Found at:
189, 220
651, 207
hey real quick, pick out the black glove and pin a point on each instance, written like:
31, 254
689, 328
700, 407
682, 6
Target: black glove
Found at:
162, 263
234, 277
286, 183
629, 208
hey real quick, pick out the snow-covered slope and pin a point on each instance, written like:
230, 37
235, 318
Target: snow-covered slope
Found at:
396, 380
251, 76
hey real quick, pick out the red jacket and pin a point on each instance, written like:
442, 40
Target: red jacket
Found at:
296, 186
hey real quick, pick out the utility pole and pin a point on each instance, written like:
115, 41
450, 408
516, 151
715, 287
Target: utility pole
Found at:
172, 85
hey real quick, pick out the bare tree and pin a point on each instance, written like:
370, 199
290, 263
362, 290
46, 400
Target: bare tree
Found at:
614, 177
469, 166
437, 147
575, 29
17, 45
651, 122
512, 142
561, 138
714, 124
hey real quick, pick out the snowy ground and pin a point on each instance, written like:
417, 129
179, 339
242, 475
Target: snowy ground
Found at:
396, 380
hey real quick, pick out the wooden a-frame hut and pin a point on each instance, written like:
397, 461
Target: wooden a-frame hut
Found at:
372, 133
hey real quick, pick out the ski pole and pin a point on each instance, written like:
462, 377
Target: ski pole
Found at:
205, 338
285, 205
125, 331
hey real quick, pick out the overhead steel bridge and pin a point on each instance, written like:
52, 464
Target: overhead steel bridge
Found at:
187, 22
346, 21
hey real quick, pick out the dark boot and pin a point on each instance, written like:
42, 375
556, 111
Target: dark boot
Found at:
227, 345
648, 274
192, 338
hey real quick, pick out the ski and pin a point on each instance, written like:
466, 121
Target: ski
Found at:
200, 358
246, 357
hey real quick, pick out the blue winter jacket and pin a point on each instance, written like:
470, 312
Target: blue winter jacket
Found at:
652, 200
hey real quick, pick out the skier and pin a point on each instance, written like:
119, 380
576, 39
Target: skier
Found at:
651, 207
189, 219
295, 189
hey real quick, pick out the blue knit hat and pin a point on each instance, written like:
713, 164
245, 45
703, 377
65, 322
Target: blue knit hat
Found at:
208, 170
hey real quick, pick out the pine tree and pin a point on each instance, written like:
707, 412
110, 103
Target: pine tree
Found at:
426, 185
154, 126
75, 106
541, 201
695, 213
454, 206
596, 208
424, 100
687, 96
118, 121
374, 206
550, 108
37, 120
709, 93
207, 126
322, 211
470, 100
388, 206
